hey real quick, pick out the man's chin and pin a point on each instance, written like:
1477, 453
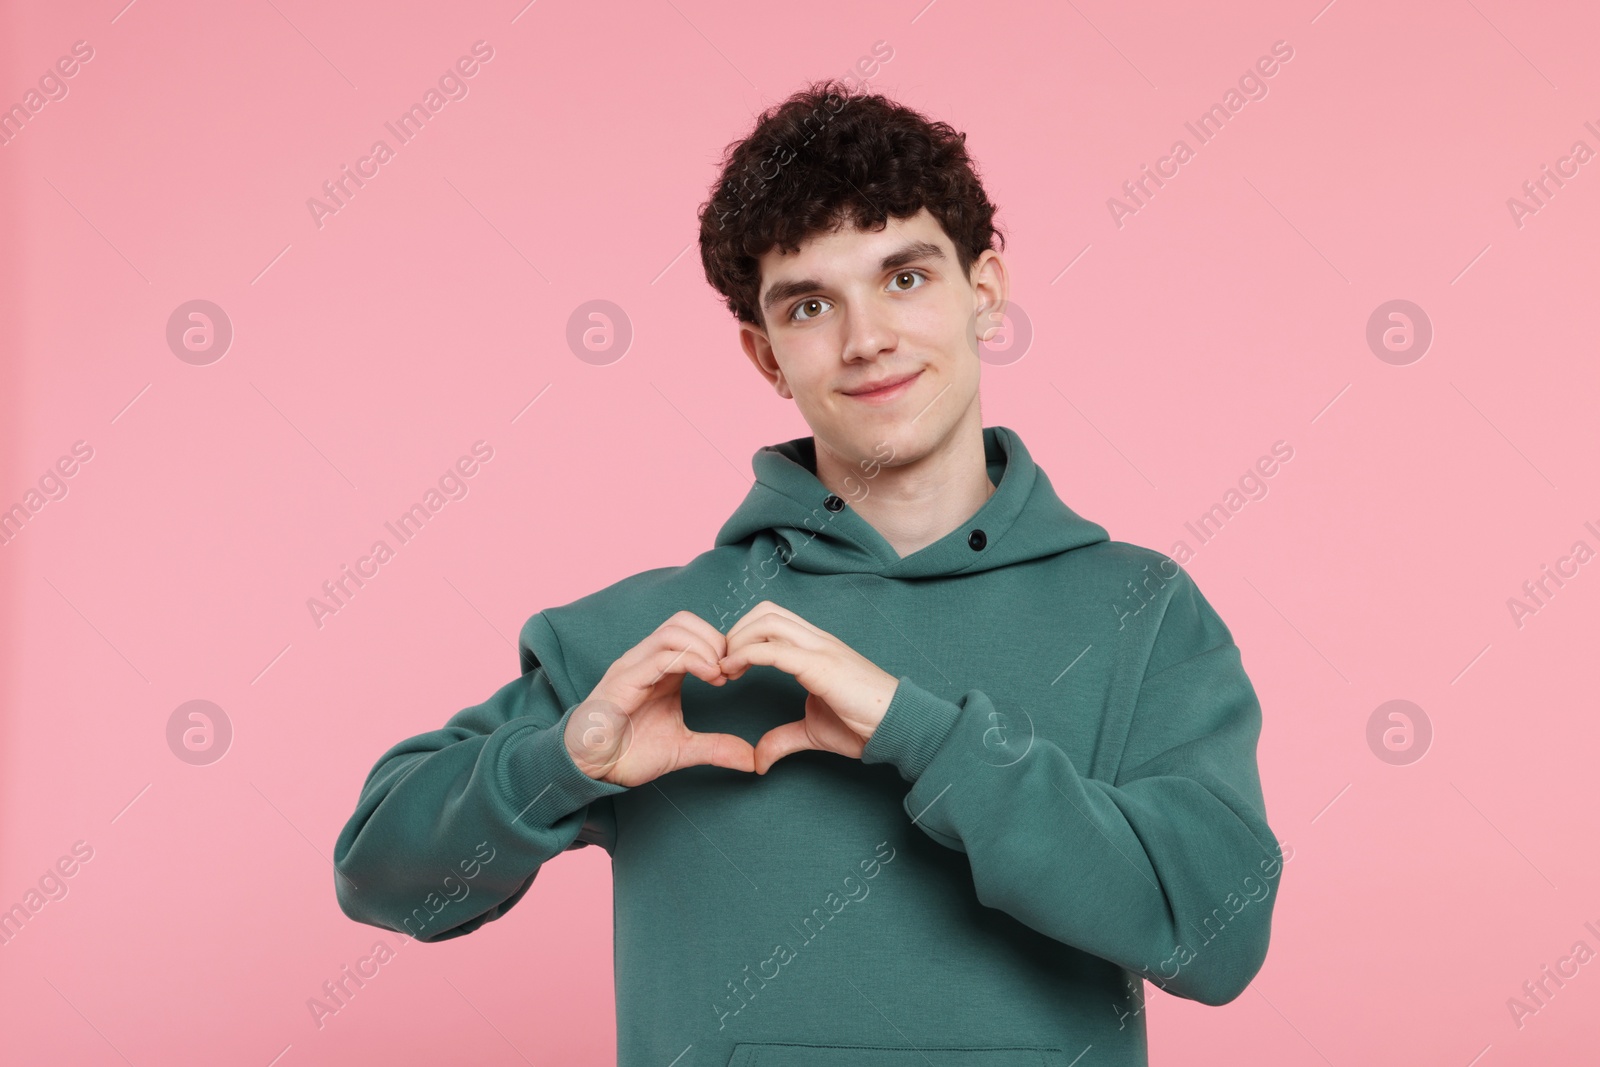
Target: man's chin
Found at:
869, 444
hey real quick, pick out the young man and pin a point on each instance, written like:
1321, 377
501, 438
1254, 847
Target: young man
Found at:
915, 766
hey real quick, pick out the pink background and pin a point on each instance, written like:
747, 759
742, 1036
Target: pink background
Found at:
368, 354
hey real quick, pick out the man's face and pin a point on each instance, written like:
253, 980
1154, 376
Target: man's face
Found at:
852, 309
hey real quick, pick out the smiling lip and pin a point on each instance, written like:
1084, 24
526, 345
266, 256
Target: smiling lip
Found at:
888, 390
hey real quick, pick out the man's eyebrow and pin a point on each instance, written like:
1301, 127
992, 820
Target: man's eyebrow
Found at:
909, 253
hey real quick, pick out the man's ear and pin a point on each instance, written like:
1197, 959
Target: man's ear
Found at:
756, 346
991, 290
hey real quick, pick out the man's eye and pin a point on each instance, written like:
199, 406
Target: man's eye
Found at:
907, 274
795, 315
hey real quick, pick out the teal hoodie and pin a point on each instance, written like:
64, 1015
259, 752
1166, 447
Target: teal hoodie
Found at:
1060, 803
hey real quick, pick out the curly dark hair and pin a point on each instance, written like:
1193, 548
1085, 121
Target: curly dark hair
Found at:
826, 157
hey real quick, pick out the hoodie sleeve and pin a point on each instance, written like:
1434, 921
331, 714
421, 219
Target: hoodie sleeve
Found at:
452, 825
1167, 870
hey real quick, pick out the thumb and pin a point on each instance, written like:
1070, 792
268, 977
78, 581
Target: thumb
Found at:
781, 741
717, 750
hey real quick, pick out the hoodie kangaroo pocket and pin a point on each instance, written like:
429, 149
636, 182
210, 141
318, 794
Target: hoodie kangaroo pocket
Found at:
776, 1054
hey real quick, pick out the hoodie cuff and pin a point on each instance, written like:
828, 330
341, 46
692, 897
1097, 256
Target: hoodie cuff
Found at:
914, 725
541, 782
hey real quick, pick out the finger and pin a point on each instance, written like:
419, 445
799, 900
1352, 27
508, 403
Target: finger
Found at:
678, 632
771, 610
703, 638
756, 611
779, 628
693, 624
776, 652
637, 676
717, 750
781, 741
691, 659
762, 611
706, 651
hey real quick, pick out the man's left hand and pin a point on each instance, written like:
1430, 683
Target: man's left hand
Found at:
848, 693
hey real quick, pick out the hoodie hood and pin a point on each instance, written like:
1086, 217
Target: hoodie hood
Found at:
1023, 520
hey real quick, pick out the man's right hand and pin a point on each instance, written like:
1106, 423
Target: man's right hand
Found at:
630, 729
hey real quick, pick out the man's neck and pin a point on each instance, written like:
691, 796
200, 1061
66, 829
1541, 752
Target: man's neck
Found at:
916, 504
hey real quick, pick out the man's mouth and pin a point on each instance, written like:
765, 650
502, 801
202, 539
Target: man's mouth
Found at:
885, 388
